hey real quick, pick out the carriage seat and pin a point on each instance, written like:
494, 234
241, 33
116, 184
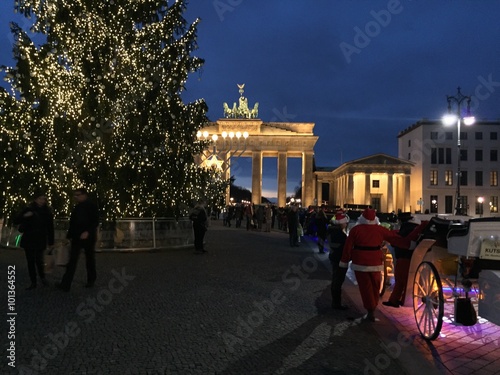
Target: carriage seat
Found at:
466, 240
438, 228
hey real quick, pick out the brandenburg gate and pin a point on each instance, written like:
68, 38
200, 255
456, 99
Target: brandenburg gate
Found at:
241, 134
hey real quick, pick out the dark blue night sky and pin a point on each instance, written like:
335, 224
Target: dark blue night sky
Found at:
360, 70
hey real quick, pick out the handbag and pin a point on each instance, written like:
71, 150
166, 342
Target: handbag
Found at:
49, 262
62, 254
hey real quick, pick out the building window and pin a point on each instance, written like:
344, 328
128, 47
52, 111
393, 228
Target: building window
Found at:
479, 136
376, 203
448, 135
434, 135
463, 205
479, 178
493, 178
479, 206
448, 204
463, 135
448, 156
434, 204
479, 155
493, 155
441, 155
463, 155
494, 204
463, 178
409, 142
448, 178
493, 136
434, 177
375, 183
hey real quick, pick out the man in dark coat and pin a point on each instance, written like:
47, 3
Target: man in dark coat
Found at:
36, 222
82, 233
293, 224
338, 237
200, 224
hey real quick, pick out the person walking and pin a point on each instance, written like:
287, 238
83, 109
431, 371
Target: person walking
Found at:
293, 224
36, 223
249, 215
200, 225
321, 229
268, 217
82, 233
364, 247
338, 236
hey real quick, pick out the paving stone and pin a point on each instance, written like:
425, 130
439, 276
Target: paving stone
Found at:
251, 305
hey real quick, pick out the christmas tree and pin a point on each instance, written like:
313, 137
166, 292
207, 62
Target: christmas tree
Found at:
98, 103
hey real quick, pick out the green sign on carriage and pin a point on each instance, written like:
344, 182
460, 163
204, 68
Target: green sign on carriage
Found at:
490, 249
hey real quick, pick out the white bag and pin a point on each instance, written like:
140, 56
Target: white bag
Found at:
62, 254
48, 263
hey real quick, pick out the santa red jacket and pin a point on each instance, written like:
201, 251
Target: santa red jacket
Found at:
364, 246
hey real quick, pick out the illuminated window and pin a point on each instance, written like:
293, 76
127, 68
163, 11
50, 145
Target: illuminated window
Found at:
493, 178
494, 204
448, 178
434, 177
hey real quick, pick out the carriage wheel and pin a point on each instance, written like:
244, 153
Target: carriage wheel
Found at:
428, 301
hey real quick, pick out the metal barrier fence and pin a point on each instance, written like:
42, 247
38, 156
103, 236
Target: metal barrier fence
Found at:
125, 234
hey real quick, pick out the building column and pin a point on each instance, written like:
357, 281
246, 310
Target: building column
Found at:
319, 191
307, 179
350, 188
407, 203
282, 171
227, 176
368, 179
331, 194
342, 191
390, 192
256, 177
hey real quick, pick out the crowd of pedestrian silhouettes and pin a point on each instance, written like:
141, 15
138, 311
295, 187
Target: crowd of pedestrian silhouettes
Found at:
36, 224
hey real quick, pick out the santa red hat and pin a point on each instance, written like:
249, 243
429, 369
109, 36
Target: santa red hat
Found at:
370, 214
340, 218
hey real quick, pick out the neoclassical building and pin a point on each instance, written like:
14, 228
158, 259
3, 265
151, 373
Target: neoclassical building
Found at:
380, 180
244, 137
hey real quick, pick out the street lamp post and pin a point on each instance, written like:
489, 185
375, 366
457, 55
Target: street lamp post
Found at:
451, 119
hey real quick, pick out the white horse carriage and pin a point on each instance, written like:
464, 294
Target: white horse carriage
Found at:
448, 250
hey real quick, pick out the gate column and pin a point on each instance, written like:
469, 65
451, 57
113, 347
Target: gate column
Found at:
256, 177
282, 171
307, 179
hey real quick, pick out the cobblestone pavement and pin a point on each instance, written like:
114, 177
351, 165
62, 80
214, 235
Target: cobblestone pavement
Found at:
251, 305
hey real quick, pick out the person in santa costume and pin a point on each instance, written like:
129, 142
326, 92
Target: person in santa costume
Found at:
364, 248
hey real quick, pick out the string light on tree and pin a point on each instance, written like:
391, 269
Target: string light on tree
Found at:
99, 104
